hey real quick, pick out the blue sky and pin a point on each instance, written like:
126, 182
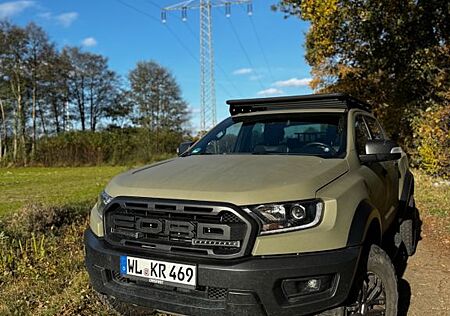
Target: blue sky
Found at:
128, 31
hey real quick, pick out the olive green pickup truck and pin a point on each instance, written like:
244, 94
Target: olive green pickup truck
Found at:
291, 206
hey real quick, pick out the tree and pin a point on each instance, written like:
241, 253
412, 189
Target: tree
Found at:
92, 83
120, 112
39, 49
393, 54
158, 97
45, 91
14, 69
101, 87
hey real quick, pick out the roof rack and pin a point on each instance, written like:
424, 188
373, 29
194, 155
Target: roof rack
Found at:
310, 101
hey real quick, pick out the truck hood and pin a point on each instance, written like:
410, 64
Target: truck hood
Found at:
237, 179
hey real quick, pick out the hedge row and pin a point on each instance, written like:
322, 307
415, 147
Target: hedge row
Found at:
114, 147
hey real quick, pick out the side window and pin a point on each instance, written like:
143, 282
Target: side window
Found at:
361, 134
374, 127
225, 141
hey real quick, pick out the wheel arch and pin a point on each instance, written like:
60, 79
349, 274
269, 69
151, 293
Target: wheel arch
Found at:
407, 192
365, 226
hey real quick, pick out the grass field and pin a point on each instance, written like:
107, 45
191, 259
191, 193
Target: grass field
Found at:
41, 236
51, 186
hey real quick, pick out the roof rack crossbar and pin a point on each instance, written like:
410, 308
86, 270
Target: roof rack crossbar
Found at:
312, 101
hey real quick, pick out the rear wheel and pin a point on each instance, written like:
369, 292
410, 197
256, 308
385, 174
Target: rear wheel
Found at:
410, 229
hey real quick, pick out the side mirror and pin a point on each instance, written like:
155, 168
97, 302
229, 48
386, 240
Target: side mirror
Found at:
381, 150
183, 147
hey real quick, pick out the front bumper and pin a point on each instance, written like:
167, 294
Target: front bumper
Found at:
251, 286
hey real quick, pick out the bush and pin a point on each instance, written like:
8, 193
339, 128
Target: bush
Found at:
42, 271
432, 136
38, 219
115, 147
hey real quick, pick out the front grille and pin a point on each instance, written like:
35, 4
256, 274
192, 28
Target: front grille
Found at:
201, 230
217, 293
212, 293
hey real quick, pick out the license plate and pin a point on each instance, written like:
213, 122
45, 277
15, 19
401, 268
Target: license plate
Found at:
161, 272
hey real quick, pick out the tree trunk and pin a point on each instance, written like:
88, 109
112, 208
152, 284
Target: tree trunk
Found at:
42, 119
15, 136
2, 132
91, 108
82, 107
33, 118
21, 126
56, 115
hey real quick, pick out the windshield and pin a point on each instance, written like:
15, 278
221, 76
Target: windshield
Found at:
312, 134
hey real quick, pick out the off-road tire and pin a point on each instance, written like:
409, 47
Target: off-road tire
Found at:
376, 262
124, 309
410, 231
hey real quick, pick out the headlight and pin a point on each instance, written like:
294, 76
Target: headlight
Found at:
103, 200
288, 216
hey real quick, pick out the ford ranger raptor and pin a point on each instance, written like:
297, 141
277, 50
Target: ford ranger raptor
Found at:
291, 206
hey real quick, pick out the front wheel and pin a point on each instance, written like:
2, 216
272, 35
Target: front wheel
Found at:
376, 287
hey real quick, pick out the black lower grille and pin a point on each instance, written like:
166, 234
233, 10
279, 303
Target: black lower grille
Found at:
217, 293
212, 293
177, 227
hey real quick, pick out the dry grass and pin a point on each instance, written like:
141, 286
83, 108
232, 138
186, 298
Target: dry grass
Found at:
41, 260
433, 201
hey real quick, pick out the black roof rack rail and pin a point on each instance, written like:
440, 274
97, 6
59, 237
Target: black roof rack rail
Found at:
310, 101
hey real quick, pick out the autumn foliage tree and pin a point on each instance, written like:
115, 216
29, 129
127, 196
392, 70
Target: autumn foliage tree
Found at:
393, 54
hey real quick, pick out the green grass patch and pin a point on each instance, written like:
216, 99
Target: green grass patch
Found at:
432, 195
41, 243
52, 186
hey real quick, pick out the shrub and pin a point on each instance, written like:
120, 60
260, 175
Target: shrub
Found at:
36, 219
432, 136
115, 147
42, 271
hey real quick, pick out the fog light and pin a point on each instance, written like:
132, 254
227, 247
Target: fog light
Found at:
313, 285
294, 288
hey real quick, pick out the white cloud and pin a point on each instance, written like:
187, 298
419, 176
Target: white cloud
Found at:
89, 42
293, 82
256, 77
9, 9
45, 15
66, 19
242, 71
270, 92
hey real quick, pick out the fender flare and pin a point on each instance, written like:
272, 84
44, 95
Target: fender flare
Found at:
364, 215
407, 192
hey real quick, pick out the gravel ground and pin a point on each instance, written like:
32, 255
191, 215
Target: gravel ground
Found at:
425, 287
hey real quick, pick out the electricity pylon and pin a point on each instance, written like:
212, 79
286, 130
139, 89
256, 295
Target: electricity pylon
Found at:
208, 116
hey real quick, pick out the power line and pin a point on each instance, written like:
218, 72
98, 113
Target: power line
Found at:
154, 4
258, 39
174, 34
207, 63
247, 56
139, 11
221, 69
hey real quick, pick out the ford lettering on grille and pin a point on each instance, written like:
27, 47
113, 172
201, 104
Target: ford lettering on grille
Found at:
169, 228
210, 231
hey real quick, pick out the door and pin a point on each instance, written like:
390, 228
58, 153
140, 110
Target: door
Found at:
372, 174
390, 171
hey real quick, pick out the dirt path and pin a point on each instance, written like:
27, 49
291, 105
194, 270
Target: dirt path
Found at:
425, 287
